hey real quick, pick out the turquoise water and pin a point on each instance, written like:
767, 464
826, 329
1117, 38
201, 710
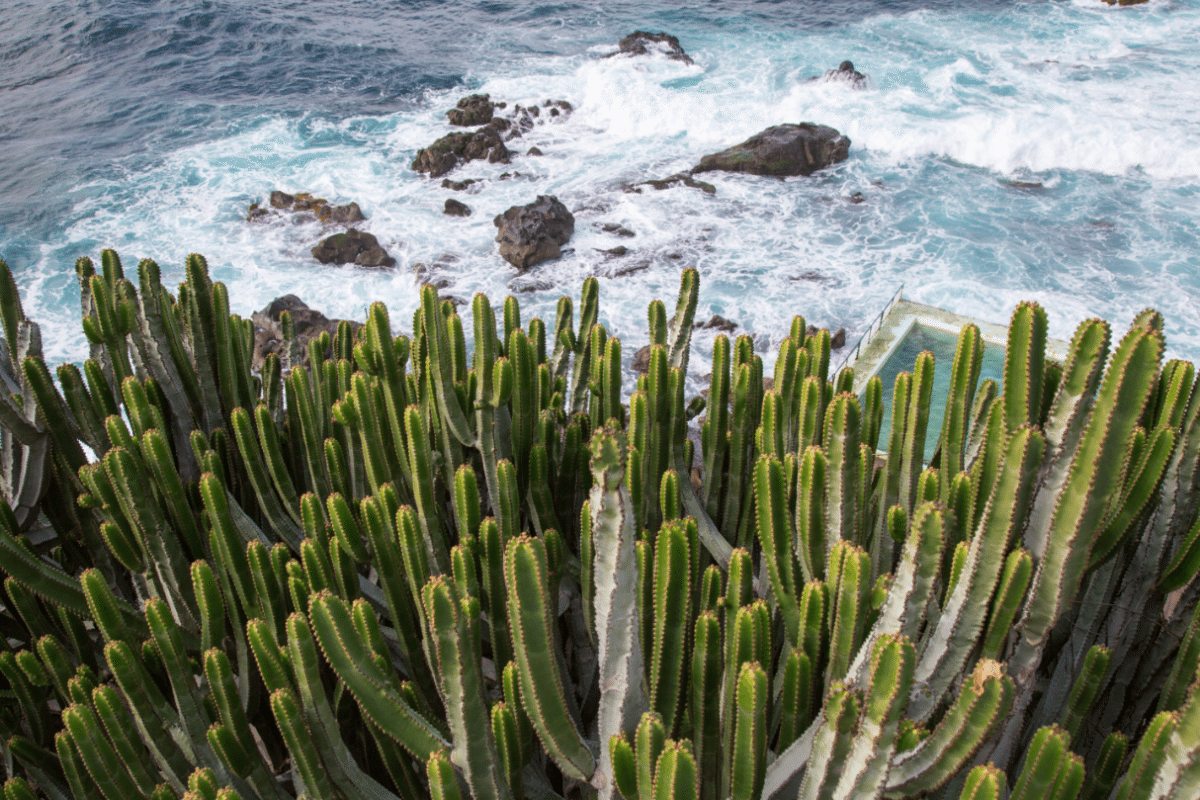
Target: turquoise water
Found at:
1006, 151
942, 345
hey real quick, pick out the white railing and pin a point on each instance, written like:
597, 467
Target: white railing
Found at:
869, 334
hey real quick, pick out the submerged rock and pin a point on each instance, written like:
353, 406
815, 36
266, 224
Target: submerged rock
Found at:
534, 233
847, 74
305, 205
781, 150
679, 178
719, 323
352, 247
641, 43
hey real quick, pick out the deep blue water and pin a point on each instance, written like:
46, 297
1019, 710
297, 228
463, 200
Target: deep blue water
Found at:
150, 126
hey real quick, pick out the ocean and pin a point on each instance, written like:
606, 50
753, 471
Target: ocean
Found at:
1045, 150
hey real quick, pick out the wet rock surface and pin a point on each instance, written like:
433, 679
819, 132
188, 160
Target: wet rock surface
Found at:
456, 209
476, 109
534, 233
485, 142
847, 74
303, 206
642, 43
782, 151
717, 323
353, 247
309, 324
680, 179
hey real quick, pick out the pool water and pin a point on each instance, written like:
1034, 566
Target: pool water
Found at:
942, 344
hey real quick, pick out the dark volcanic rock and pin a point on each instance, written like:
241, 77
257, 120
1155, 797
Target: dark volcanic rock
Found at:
352, 247
304, 204
612, 227
534, 233
845, 73
781, 150
474, 110
619, 250
641, 360
456, 209
458, 186
680, 178
838, 340
456, 148
309, 324
534, 151
640, 43
718, 322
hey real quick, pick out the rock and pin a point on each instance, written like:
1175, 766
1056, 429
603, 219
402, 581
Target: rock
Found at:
718, 322
612, 227
352, 247
619, 250
458, 186
641, 43
534, 233
856, 198
304, 204
456, 209
309, 324
459, 147
1126, 2
534, 151
641, 266
641, 360
1023, 184
838, 340
681, 177
474, 110
781, 150
845, 73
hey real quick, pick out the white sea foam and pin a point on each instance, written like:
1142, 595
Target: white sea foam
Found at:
1098, 107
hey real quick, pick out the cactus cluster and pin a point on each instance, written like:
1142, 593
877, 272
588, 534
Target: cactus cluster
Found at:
415, 568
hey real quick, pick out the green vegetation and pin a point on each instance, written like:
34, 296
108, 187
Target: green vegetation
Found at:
407, 570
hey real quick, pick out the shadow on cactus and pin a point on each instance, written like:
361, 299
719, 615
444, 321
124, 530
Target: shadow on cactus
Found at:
469, 563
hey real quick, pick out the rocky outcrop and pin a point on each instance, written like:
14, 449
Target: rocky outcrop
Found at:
781, 150
486, 142
534, 233
352, 247
459, 147
641, 43
847, 74
457, 186
456, 209
304, 206
476, 109
309, 324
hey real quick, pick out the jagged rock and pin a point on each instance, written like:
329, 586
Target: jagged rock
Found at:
534, 151
456, 209
309, 324
845, 73
458, 186
681, 177
619, 250
781, 150
474, 110
1126, 2
534, 233
857, 198
304, 204
641, 360
641, 43
352, 247
459, 147
718, 322
838, 340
